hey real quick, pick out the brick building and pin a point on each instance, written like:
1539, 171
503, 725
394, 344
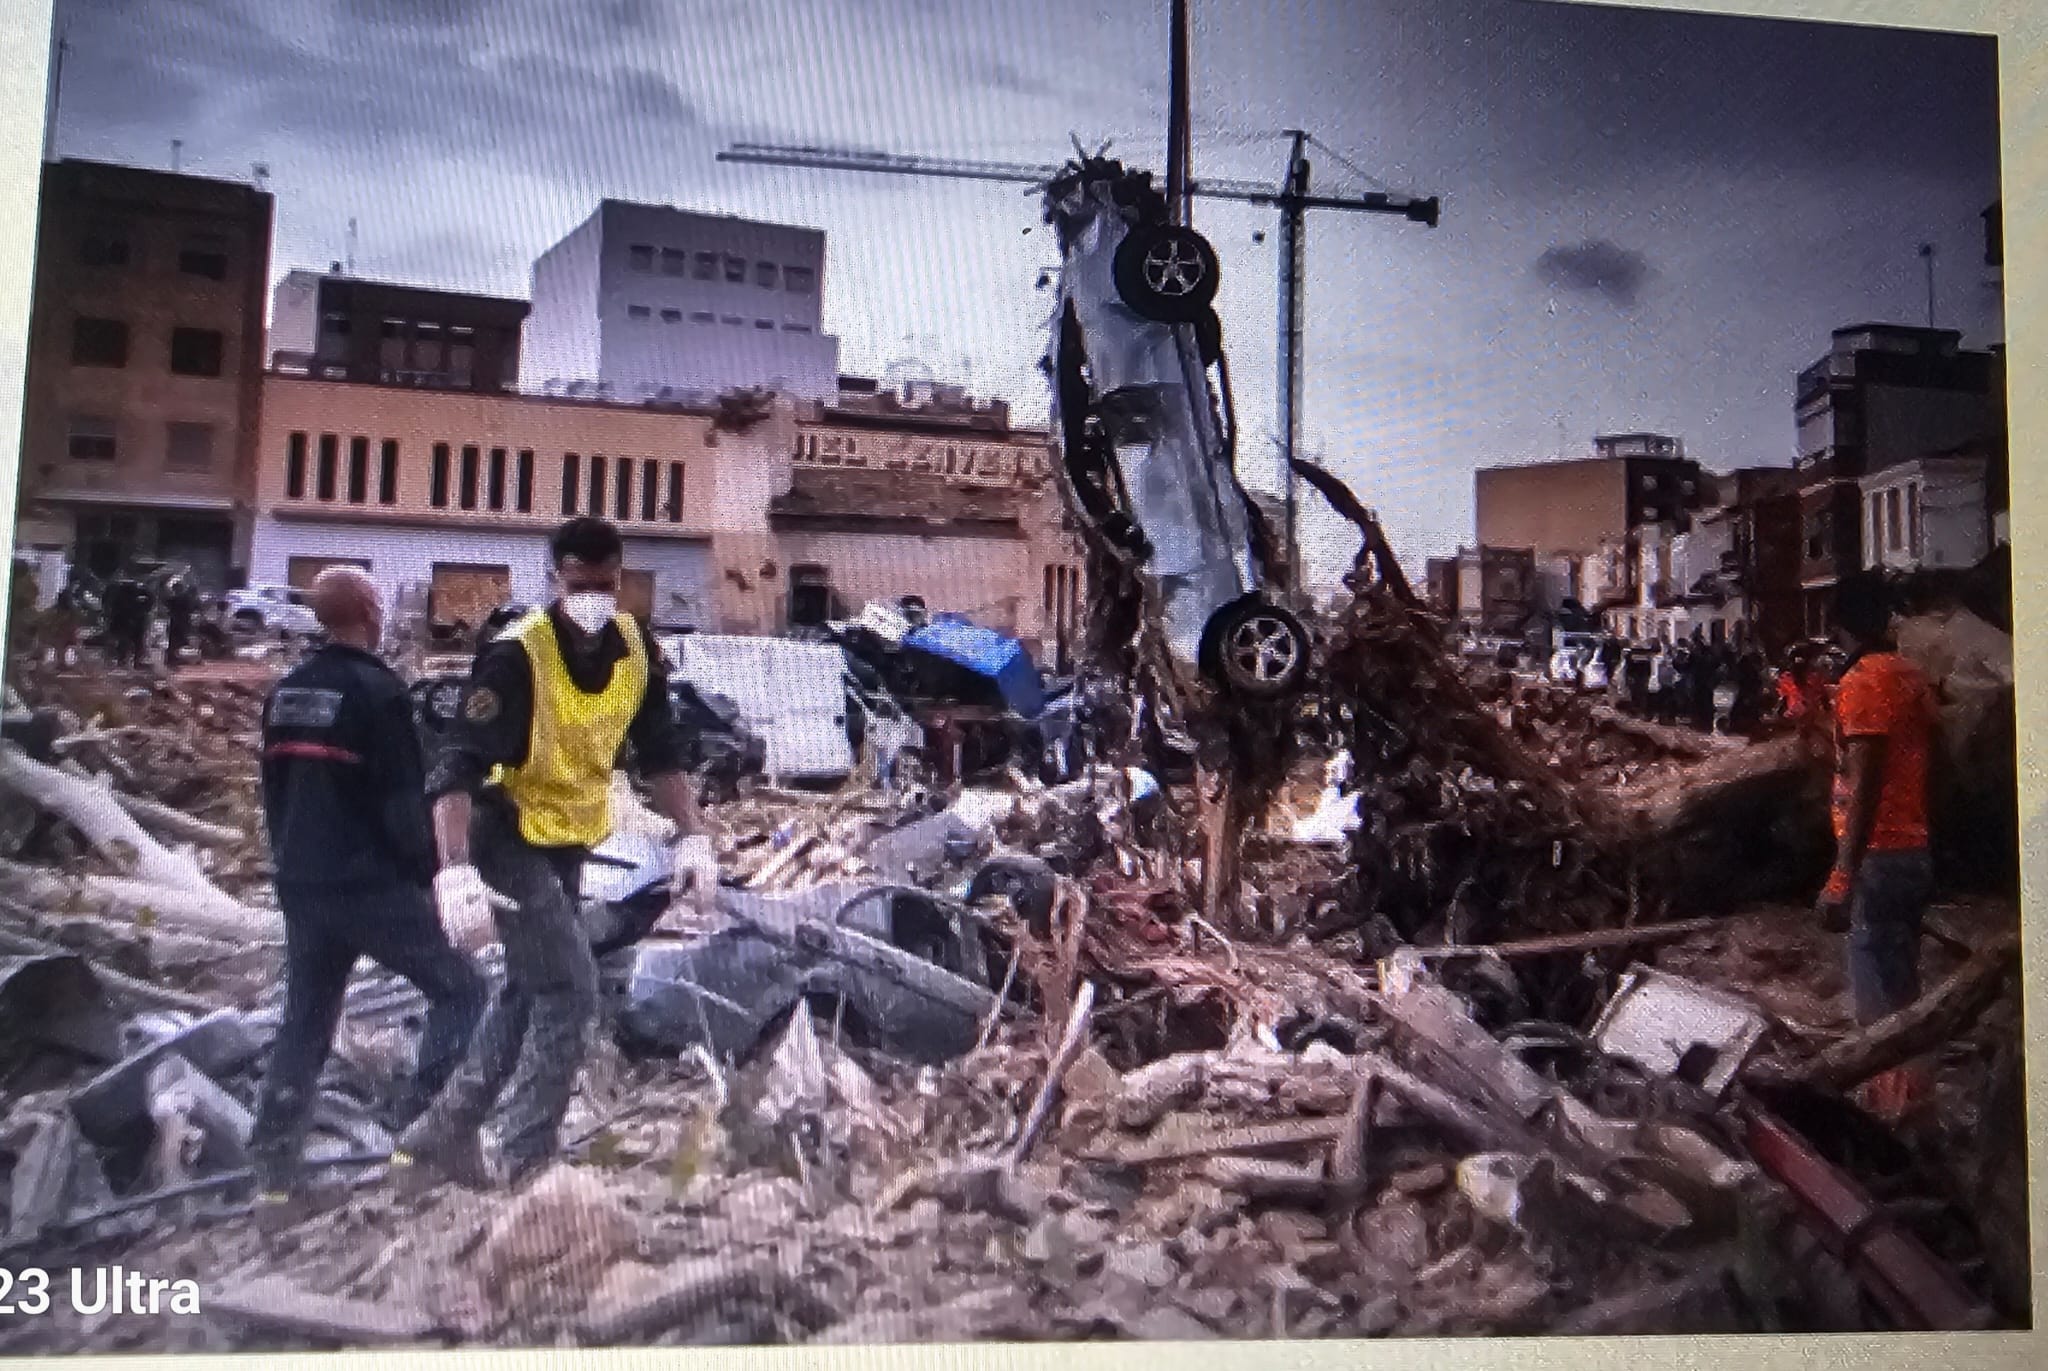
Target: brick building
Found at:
1566, 508
145, 365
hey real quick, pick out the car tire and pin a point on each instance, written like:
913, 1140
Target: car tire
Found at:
1166, 273
1256, 649
1029, 883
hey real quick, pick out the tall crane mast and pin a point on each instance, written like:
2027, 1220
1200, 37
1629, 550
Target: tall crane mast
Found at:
1292, 197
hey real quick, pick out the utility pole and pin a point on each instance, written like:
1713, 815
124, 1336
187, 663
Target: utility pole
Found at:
1178, 143
1293, 281
1927, 255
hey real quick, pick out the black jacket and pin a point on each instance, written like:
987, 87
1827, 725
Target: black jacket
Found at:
495, 725
344, 783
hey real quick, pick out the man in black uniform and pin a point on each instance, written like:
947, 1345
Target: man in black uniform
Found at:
522, 792
181, 605
344, 801
128, 606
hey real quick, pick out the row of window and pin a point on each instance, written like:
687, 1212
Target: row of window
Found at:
711, 266
113, 248
705, 316
96, 438
106, 343
659, 488
330, 480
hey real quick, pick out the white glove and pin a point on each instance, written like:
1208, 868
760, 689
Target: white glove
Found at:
465, 905
694, 883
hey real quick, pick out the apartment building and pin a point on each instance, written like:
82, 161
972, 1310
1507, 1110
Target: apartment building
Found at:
1568, 507
1885, 394
350, 328
145, 363
648, 301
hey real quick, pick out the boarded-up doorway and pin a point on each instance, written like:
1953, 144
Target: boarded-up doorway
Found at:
465, 593
300, 571
636, 594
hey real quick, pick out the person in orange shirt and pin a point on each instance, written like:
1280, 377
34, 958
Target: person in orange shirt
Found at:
1883, 877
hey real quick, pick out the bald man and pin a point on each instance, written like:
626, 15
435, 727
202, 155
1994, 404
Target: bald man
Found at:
351, 838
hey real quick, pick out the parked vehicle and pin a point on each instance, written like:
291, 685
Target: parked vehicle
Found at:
268, 609
1148, 442
792, 695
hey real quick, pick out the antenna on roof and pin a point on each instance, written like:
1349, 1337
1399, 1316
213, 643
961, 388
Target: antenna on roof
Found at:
259, 173
177, 151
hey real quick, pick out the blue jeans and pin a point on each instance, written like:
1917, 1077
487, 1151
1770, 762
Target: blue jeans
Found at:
1885, 908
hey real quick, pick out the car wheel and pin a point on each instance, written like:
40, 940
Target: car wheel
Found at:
1029, 884
1166, 273
1258, 649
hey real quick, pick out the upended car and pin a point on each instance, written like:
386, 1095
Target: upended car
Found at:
1148, 441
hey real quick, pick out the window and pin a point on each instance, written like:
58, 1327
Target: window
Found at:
188, 447
640, 256
203, 259
1913, 518
91, 438
703, 316
494, 491
765, 324
674, 508
1894, 521
570, 464
522, 498
799, 280
706, 266
387, 473
99, 343
330, 460
674, 261
472, 464
438, 495
195, 351
622, 490
639, 312
764, 275
650, 488
796, 328
358, 470
295, 467
596, 505
106, 247
732, 320
671, 316
735, 267
810, 596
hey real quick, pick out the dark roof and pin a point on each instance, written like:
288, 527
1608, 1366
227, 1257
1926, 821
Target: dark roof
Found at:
865, 494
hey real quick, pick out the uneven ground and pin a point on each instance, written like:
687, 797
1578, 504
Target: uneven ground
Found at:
785, 1204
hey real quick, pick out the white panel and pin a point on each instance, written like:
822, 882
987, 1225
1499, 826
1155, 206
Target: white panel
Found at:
399, 556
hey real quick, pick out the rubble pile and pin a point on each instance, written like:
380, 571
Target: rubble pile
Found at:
1448, 1072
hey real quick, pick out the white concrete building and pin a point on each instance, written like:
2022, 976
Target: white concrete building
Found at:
639, 299
1928, 513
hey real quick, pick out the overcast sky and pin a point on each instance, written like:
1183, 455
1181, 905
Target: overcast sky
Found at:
1650, 221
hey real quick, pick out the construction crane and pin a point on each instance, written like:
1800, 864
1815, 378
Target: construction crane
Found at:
1292, 197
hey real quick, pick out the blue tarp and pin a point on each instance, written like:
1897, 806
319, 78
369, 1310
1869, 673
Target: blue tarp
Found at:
986, 653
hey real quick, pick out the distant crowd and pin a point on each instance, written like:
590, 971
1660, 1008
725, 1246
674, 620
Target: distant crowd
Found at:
1693, 682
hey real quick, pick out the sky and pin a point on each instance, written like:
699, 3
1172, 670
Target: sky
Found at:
1650, 221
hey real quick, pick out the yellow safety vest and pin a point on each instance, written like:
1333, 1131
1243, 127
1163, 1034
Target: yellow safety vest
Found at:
563, 790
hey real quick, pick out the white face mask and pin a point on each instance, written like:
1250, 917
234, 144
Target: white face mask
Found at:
590, 610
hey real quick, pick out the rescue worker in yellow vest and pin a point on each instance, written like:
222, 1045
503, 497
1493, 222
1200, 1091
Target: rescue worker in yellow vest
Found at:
521, 793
